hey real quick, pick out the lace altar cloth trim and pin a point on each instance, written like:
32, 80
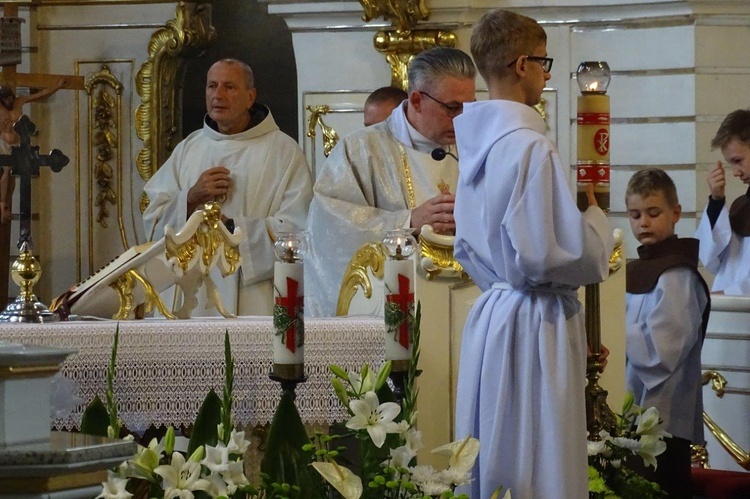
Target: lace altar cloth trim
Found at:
165, 368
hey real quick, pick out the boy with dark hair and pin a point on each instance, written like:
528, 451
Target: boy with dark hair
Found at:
725, 245
667, 312
522, 239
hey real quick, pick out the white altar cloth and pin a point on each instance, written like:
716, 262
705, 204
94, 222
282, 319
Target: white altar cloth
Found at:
165, 368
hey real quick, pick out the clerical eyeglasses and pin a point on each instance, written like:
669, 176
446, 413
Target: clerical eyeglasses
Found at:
451, 111
546, 62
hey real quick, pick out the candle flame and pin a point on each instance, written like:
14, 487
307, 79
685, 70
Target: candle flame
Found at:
592, 87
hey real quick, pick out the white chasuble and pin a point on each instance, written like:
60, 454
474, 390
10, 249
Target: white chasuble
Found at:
271, 191
522, 239
370, 183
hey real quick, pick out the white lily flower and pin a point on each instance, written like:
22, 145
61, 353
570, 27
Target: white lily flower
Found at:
235, 475
648, 423
376, 418
217, 486
114, 488
343, 480
146, 460
237, 443
648, 447
181, 478
400, 457
414, 439
217, 458
462, 453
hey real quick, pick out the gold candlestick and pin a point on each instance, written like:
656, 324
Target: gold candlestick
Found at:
593, 168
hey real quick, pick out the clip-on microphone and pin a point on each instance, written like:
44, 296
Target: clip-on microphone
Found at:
439, 154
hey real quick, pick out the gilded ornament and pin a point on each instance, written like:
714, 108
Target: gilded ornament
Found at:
125, 285
718, 384
330, 137
370, 257
158, 82
436, 257
403, 14
104, 138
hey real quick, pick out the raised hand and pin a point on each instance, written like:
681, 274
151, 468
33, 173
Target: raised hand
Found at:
437, 212
716, 180
212, 183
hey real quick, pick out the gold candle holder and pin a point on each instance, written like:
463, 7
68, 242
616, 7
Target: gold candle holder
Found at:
26, 272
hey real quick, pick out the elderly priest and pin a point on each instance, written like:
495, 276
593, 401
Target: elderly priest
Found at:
241, 157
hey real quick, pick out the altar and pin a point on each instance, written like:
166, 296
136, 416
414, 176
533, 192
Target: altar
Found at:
164, 369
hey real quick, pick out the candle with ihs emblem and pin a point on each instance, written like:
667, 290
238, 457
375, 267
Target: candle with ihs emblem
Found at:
593, 133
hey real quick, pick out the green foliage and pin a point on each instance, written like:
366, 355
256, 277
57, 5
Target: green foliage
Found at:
205, 429
286, 458
95, 418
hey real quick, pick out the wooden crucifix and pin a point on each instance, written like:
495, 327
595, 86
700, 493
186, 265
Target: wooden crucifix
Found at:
25, 161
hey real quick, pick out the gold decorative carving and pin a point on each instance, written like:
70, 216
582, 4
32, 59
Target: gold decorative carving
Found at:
718, 384
208, 238
541, 108
104, 137
438, 251
158, 119
400, 47
370, 256
330, 137
403, 14
124, 286
402, 42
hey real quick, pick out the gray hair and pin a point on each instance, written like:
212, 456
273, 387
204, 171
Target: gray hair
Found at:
437, 63
249, 78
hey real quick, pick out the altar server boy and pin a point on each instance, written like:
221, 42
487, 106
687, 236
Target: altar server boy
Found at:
522, 239
667, 312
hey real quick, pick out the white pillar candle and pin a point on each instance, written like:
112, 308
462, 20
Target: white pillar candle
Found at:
288, 341
399, 302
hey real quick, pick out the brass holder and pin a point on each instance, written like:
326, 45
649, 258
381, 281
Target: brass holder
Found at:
598, 414
26, 272
289, 384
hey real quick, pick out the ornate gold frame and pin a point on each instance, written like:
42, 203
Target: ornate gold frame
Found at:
158, 119
402, 42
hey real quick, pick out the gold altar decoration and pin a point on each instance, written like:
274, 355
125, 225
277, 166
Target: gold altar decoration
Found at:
330, 137
158, 119
105, 111
208, 239
124, 287
370, 256
742, 457
26, 272
599, 416
436, 256
402, 42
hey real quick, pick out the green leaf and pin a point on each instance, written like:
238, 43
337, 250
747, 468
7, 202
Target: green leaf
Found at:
285, 461
95, 418
209, 417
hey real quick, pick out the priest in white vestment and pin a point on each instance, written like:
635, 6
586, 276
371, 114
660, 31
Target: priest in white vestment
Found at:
384, 177
240, 155
522, 239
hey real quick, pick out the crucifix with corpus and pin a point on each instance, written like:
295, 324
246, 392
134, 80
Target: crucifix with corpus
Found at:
11, 109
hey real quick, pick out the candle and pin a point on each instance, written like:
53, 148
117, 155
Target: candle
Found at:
288, 311
399, 308
593, 133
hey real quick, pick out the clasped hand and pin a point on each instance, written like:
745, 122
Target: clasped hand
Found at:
212, 183
437, 212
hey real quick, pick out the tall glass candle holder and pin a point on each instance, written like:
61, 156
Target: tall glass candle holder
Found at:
593, 132
399, 297
289, 306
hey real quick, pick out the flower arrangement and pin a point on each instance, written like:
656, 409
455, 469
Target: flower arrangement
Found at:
294, 465
636, 433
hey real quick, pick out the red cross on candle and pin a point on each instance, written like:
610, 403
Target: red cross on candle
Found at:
405, 300
293, 303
